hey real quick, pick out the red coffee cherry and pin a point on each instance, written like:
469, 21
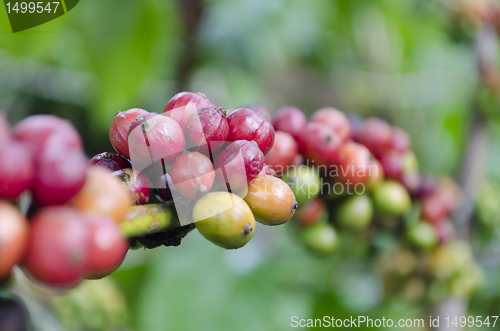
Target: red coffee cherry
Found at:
245, 124
260, 109
110, 161
238, 164
320, 144
193, 175
290, 120
282, 153
400, 141
311, 213
16, 167
118, 132
13, 237
207, 129
334, 119
183, 104
137, 185
392, 162
58, 246
354, 164
434, 209
376, 135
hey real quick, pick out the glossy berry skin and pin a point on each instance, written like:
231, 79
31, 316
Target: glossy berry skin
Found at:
260, 109
238, 164
118, 132
110, 161
245, 124
58, 246
320, 144
183, 104
14, 230
5, 132
224, 219
206, 130
390, 198
107, 247
392, 162
16, 167
321, 239
156, 136
60, 174
334, 119
376, 135
42, 131
400, 141
283, 152
310, 213
192, 175
137, 185
266, 170
290, 120
354, 164
271, 200
103, 194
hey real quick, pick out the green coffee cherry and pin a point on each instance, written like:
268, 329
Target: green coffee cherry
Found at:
304, 182
422, 235
391, 198
355, 212
321, 238
410, 162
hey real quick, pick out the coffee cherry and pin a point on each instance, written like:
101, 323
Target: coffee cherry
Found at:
376, 135
433, 208
271, 200
245, 124
390, 198
410, 162
118, 132
335, 120
320, 144
282, 153
136, 184
422, 235
355, 212
392, 162
260, 109
224, 219
155, 137
321, 239
445, 231
60, 174
207, 129
411, 181
5, 132
193, 175
13, 237
267, 171
450, 193
107, 247
376, 175
183, 104
238, 164
58, 246
16, 167
312, 212
428, 186
103, 194
354, 164
40, 132
400, 141
290, 120
304, 182
110, 161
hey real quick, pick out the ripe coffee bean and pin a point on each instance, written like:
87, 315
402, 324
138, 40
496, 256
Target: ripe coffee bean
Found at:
155, 137
193, 175
392, 162
110, 161
312, 212
283, 152
245, 124
58, 246
290, 120
137, 185
433, 208
224, 219
391, 198
271, 200
400, 140
103, 194
334, 119
60, 174
40, 132
118, 132
207, 129
13, 237
321, 239
107, 247
355, 212
304, 182
5, 133
183, 104
16, 169
260, 109
354, 164
238, 164
376, 135
422, 235
320, 144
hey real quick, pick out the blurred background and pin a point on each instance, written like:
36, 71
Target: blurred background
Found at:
428, 66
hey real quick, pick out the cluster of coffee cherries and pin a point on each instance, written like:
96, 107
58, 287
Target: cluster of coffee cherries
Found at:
355, 177
71, 230
206, 162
